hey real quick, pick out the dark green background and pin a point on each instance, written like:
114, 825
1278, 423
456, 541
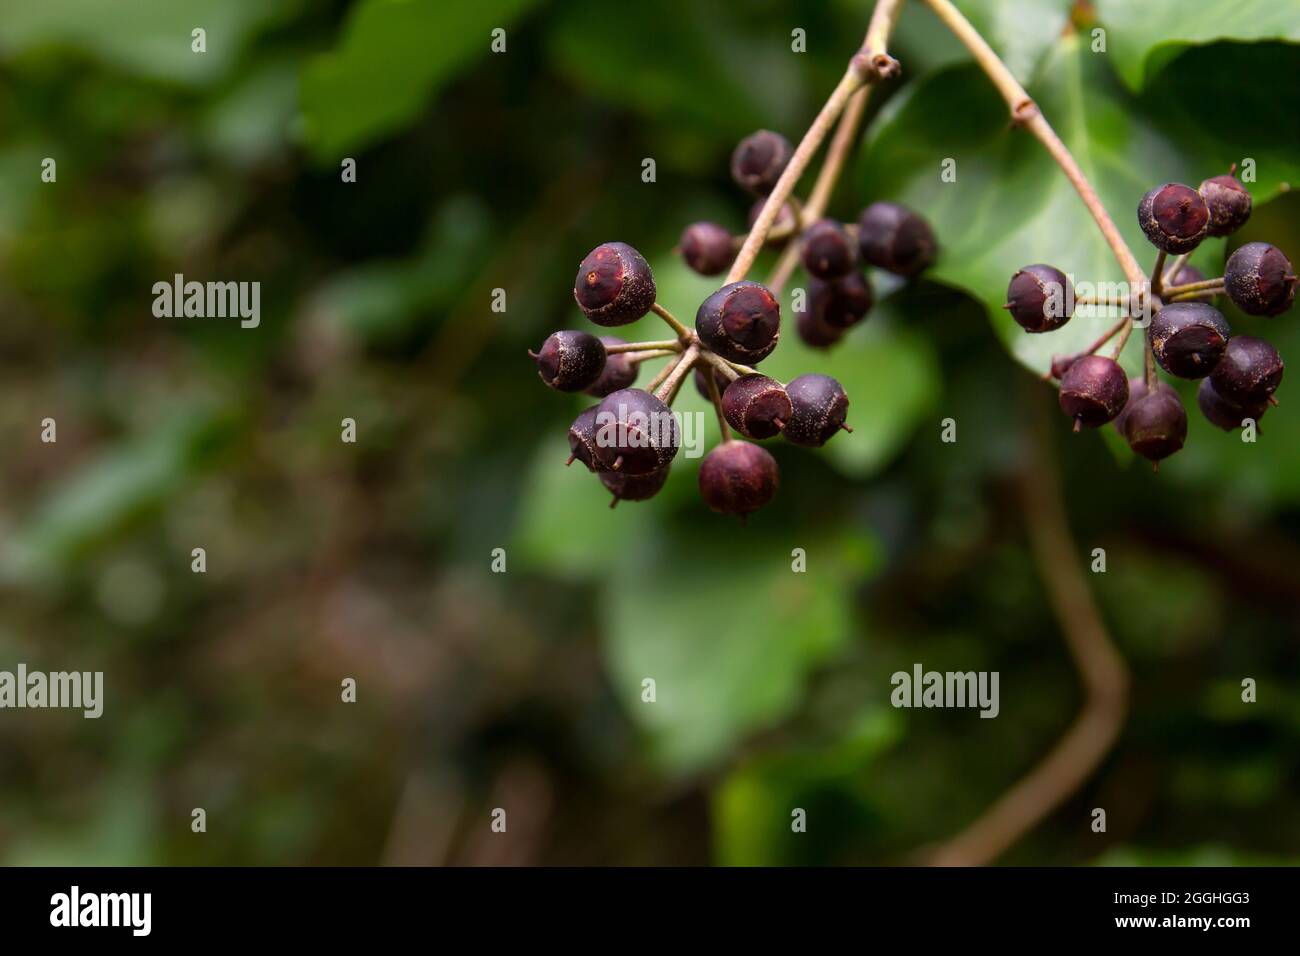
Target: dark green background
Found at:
479, 171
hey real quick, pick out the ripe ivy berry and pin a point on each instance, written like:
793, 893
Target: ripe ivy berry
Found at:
738, 478
1174, 217
633, 487
1260, 280
1220, 412
827, 251
740, 322
759, 159
582, 439
619, 371
813, 328
1040, 298
636, 433
614, 285
1228, 202
702, 383
841, 302
570, 360
706, 247
1249, 371
1155, 426
818, 409
757, 406
1188, 338
1093, 391
892, 237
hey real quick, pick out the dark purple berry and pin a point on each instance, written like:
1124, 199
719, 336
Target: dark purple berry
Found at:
740, 322
1249, 371
759, 160
842, 302
892, 237
815, 330
614, 285
1137, 387
819, 407
707, 248
582, 439
636, 433
1260, 280
1220, 412
738, 478
1228, 202
1155, 426
1061, 364
633, 487
570, 360
756, 406
827, 251
1174, 217
619, 372
1040, 298
1188, 338
1093, 391
702, 383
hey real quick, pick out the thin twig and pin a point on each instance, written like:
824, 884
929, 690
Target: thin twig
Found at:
1187, 288
636, 358
1025, 112
682, 331
720, 365
668, 390
870, 64
1101, 670
663, 373
1158, 273
1123, 339
717, 406
672, 344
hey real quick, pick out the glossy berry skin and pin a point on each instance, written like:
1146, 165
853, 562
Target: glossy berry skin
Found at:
1093, 391
1137, 388
738, 478
702, 383
842, 302
614, 285
1260, 280
819, 407
814, 330
1228, 202
1174, 218
636, 433
633, 487
1249, 371
892, 237
757, 406
1188, 338
1040, 298
827, 251
1221, 413
1155, 426
740, 322
582, 439
570, 360
619, 371
759, 159
706, 247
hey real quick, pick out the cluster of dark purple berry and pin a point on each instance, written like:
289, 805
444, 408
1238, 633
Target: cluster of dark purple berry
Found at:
1186, 336
630, 438
839, 294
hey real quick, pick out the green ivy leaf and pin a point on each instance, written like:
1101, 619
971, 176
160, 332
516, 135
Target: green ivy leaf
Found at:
1144, 37
729, 634
391, 59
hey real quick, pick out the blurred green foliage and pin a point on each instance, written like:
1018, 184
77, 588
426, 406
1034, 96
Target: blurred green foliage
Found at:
481, 170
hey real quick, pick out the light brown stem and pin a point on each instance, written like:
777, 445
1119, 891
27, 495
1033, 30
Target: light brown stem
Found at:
1123, 339
1190, 287
668, 390
663, 373
1025, 112
717, 406
682, 331
1101, 670
672, 344
870, 64
1158, 273
636, 358
1177, 266
720, 364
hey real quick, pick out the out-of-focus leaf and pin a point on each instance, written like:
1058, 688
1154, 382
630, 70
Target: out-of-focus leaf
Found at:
391, 58
148, 37
93, 502
728, 633
1142, 37
252, 120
